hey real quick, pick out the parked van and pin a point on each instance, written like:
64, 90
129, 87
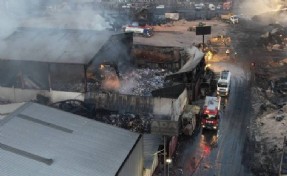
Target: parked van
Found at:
223, 84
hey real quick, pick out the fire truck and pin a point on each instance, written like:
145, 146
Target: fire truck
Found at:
210, 114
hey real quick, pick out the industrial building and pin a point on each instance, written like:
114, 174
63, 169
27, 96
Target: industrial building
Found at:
40, 140
55, 62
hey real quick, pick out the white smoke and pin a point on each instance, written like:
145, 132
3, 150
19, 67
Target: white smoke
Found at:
48, 14
266, 11
256, 7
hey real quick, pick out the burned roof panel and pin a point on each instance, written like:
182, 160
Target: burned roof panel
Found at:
196, 57
39, 140
53, 45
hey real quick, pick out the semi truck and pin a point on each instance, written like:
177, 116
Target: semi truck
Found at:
224, 83
210, 113
229, 18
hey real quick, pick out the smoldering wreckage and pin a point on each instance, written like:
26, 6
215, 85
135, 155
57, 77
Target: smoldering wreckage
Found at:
126, 99
145, 84
269, 89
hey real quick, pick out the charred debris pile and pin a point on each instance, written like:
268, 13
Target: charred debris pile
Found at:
270, 69
134, 81
138, 81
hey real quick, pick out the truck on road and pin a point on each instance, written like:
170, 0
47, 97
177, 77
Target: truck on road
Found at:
229, 18
224, 83
137, 28
210, 113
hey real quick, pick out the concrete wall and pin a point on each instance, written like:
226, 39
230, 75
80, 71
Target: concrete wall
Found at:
139, 104
150, 171
21, 95
157, 57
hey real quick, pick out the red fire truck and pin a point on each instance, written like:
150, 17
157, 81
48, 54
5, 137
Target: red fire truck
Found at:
210, 114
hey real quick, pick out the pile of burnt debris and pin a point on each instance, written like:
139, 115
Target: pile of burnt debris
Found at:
139, 82
271, 77
140, 123
274, 37
142, 81
134, 122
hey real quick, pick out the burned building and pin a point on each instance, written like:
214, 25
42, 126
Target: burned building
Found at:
55, 62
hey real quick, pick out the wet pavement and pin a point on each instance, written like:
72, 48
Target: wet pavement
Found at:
221, 152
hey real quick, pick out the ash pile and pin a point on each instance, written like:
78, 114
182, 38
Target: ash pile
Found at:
136, 81
274, 37
142, 82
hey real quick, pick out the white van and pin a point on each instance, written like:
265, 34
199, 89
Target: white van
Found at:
223, 83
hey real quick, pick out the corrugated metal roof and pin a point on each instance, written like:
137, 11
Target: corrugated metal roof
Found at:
39, 140
195, 57
53, 45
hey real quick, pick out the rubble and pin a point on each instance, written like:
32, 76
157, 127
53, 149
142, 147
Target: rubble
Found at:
142, 81
268, 130
139, 123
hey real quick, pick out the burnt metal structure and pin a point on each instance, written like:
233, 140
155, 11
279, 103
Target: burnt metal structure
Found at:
58, 59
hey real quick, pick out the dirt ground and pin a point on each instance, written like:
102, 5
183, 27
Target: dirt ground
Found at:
177, 34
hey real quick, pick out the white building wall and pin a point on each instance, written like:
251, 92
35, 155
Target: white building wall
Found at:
134, 164
170, 107
17, 95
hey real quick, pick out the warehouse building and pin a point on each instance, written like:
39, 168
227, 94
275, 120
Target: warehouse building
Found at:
39, 140
55, 62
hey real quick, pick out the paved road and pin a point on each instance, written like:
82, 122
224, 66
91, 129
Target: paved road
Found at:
221, 153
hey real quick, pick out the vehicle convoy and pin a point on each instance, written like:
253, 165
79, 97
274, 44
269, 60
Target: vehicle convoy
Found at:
229, 18
137, 28
223, 83
210, 113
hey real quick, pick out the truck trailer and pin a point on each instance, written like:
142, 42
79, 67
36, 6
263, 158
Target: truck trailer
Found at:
224, 83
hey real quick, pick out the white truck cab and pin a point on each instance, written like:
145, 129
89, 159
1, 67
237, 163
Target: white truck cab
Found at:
223, 83
234, 19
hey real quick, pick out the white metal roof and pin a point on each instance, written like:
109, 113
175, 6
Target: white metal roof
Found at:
53, 45
43, 141
225, 75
